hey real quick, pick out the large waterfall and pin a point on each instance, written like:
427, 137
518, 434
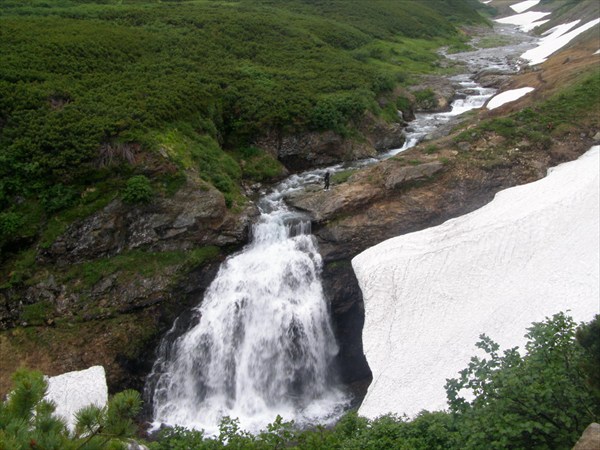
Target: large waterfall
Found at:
262, 343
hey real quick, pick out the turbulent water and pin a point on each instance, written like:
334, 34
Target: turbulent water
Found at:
261, 344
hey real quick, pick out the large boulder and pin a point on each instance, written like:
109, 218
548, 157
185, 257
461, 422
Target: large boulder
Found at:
590, 439
433, 94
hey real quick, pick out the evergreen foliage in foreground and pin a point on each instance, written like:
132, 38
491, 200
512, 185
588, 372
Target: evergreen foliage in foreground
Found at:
27, 420
542, 400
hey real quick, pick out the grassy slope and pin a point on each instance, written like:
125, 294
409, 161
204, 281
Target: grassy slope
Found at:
84, 82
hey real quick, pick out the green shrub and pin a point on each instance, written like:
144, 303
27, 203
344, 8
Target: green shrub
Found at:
10, 223
58, 197
37, 313
540, 400
404, 104
258, 165
138, 190
343, 176
431, 149
425, 98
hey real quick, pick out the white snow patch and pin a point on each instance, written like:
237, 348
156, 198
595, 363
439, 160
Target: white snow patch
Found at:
524, 6
558, 30
73, 391
508, 96
555, 41
526, 21
530, 253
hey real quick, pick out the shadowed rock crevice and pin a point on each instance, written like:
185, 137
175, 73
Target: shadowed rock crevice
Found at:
348, 315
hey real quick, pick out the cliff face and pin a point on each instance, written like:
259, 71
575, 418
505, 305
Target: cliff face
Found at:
301, 151
115, 281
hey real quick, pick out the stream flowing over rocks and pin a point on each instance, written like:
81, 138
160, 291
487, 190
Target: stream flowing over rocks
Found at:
261, 342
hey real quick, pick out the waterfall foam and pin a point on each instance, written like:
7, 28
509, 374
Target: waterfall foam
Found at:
262, 344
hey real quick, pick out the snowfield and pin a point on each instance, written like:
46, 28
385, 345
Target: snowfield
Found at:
556, 40
508, 96
73, 391
530, 253
524, 6
526, 21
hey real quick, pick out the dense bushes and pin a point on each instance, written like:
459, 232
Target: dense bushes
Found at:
89, 87
541, 400
92, 72
138, 190
103, 87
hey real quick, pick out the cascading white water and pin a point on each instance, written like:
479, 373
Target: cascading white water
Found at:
263, 345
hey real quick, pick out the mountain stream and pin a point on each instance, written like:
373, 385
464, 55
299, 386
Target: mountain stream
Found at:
261, 343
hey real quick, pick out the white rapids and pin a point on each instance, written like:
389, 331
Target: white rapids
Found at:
263, 344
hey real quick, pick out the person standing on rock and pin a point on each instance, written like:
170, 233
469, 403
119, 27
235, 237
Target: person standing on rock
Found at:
326, 180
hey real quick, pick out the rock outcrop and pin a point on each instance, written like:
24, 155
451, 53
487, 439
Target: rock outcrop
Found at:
194, 216
433, 94
363, 188
301, 151
590, 439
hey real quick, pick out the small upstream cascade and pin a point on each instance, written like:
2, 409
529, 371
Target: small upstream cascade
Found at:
262, 344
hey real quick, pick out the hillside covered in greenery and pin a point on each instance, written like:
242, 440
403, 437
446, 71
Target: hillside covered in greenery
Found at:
93, 93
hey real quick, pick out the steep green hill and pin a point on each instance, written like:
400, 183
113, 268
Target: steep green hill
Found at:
95, 92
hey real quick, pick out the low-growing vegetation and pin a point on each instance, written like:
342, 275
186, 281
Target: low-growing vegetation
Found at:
542, 399
97, 94
136, 263
561, 116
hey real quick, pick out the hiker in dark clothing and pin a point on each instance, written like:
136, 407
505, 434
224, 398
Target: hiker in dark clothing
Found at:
326, 181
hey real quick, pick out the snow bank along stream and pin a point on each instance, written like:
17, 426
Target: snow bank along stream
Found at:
555, 39
508, 96
530, 253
